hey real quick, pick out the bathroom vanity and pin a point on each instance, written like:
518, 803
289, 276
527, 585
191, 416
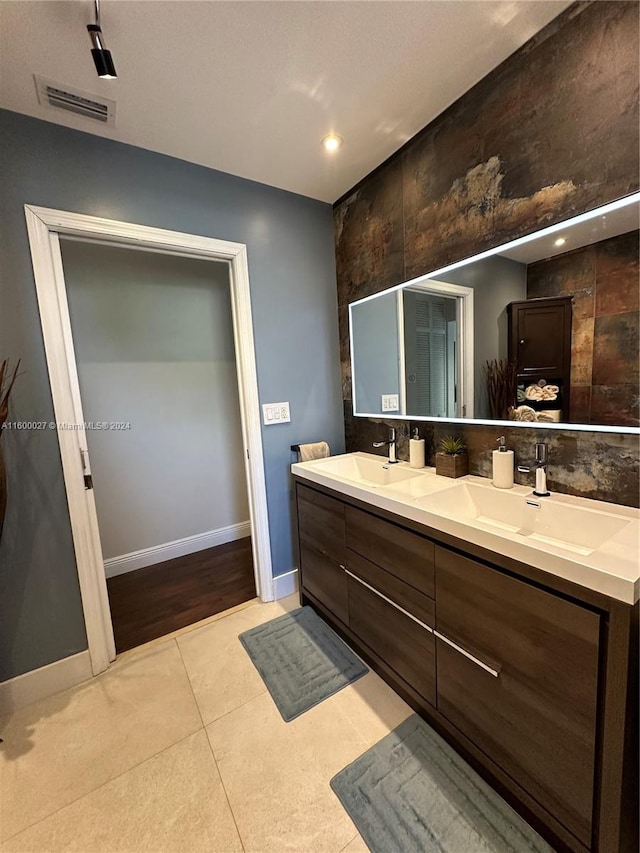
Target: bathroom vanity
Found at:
509, 623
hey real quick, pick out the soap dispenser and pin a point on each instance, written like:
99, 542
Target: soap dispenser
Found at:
416, 450
502, 466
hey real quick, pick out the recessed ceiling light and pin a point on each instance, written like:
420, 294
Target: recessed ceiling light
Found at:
560, 241
332, 142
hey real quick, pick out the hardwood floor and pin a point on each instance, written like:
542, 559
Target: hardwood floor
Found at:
151, 602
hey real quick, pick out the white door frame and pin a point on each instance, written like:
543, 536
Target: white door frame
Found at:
44, 227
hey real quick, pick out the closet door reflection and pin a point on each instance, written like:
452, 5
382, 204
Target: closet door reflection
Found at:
430, 353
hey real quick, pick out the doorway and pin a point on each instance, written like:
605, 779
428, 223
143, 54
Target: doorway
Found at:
45, 228
154, 349
430, 353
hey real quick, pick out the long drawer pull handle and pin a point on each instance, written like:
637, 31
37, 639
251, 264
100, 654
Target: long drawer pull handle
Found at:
464, 652
388, 600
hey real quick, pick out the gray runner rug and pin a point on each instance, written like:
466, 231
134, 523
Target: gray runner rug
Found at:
301, 660
411, 793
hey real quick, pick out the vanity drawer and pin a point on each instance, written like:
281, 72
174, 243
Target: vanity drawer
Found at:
321, 523
325, 580
404, 645
407, 555
532, 706
400, 593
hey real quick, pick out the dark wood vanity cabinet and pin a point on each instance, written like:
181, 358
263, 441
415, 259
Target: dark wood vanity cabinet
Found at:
323, 550
532, 707
400, 552
529, 677
390, 591
403, 643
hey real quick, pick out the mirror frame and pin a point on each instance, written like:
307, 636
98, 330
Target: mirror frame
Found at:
633, 198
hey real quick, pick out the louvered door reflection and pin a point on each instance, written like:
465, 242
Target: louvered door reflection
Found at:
429, 326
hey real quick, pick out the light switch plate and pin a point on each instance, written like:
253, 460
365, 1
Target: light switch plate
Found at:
275, 413
390, 403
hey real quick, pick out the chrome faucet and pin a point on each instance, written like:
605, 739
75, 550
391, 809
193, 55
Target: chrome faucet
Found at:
391, 441
540, 489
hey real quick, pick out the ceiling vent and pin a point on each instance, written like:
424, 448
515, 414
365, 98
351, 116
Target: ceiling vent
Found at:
62, 97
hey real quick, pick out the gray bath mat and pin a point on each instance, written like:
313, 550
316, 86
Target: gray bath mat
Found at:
412, 792
301, 660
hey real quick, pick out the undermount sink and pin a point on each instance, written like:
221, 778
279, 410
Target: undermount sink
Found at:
543, 520
367, 469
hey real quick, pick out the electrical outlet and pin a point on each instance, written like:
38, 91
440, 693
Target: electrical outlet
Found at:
275, 413
390, 403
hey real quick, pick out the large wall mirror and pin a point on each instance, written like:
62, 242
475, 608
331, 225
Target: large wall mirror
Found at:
542, 331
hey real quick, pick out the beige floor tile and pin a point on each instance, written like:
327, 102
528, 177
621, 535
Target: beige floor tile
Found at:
290, 602
221, 672
356, 846
172, 802
277, 775
372, 707
63, 747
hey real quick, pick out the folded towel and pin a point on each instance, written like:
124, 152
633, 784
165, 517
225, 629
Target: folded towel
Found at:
541, 392
317, 450
522, 413
549, 415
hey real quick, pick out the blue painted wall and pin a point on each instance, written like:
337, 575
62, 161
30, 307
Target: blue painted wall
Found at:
293, 294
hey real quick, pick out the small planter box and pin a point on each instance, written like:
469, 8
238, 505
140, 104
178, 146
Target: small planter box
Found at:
448, 465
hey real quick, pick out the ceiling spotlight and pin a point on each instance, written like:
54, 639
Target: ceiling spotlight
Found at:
332, 142
101, 56
560, 241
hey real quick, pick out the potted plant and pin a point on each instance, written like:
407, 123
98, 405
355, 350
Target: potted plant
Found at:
452, 460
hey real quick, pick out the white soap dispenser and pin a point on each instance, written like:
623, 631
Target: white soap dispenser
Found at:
502, 466
416, 451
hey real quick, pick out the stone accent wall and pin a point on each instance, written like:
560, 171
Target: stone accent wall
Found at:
602, 466
552, 132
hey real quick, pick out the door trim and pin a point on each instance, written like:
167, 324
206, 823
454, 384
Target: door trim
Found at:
44, 228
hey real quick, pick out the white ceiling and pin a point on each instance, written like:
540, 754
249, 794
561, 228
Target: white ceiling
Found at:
250, 88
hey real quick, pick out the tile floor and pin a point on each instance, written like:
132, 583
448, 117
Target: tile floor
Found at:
178, 747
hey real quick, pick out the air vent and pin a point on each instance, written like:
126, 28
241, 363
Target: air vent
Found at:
62, 97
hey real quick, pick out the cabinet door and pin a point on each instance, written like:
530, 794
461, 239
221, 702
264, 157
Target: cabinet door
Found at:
401, 552
535, 713
403, 644
325, 581
322, 550
321, 523
541, 338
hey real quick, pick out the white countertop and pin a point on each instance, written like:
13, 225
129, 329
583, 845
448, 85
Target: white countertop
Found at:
612, 568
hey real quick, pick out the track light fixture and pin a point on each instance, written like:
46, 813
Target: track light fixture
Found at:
101, 56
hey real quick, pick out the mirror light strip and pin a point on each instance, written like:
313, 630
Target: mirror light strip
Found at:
625, 201
385, 416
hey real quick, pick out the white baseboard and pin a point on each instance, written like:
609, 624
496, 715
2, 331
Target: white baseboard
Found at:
285, 584
170, 550
39, 683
